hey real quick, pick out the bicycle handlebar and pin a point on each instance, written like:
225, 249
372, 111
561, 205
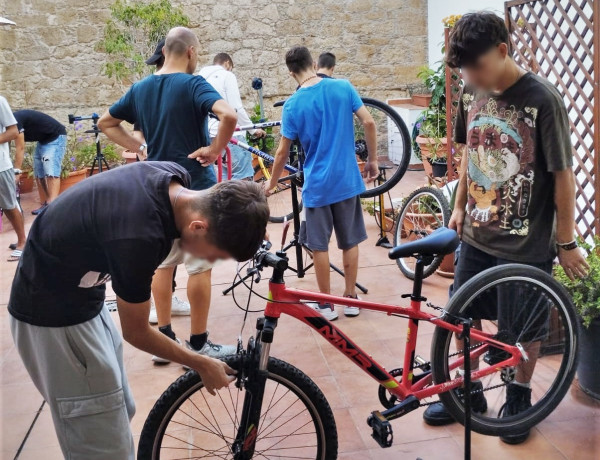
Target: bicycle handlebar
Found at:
265, 258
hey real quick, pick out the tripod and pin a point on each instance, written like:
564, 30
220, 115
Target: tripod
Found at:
300, 270
99, 159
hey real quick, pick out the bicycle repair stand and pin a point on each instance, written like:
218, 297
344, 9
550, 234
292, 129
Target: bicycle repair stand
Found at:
383, 239
96, 131
466, 338
300, 270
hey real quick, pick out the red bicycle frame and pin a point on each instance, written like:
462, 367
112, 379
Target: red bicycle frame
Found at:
289, 301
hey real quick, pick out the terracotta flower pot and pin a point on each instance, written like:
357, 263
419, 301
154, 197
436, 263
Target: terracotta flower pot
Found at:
129, 156
425, 144
446, 268
72, 179
421, 100
26, 182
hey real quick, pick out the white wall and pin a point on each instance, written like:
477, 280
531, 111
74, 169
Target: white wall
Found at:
439, 9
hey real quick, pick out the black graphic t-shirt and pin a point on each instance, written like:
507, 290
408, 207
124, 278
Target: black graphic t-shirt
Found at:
117, 225
515, 141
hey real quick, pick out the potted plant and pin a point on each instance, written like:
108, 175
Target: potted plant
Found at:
586, 297
27, 179
430, 133
80, 155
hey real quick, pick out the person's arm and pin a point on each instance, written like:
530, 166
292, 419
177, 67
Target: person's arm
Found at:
282, 156
10, 134
215, 374
460, 199
227, 123
19, 150
113, 129
372, 167
572, 261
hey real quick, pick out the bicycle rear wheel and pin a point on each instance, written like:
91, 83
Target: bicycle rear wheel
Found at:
423, 211
521, 306
393, 146
186, 422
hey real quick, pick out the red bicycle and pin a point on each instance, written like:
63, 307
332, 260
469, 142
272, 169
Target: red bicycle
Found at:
527, 332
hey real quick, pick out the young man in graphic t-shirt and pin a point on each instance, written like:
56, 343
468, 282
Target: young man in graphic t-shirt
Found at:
125, 225
516, 196
320, 114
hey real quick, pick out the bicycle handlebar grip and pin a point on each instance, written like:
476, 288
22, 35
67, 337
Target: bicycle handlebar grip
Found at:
279, 104
275, 261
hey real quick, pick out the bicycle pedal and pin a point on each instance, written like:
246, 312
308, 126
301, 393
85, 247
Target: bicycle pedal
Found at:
495, 355
382, 429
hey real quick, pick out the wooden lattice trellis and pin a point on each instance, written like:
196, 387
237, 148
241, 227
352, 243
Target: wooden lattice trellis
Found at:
560, 40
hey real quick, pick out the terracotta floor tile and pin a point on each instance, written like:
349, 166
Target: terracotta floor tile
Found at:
19, 398
43, 434
434, 449
576, 438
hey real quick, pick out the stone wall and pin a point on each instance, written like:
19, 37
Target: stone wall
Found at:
48, 61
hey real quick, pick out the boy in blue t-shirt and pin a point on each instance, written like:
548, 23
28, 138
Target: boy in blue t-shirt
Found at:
321, 116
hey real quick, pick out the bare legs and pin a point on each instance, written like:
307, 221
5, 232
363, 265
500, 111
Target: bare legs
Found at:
322, 270
199, 292
162, 284
48, 188
16, 219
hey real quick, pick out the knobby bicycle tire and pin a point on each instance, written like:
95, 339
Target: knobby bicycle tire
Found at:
279, 371
404, 150
545, 284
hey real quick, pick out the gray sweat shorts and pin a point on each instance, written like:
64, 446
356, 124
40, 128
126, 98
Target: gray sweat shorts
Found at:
345, 217
79, 372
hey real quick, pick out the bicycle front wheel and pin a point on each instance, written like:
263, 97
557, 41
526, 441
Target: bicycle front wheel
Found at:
393, 146
187, 422
520, 306
423, 211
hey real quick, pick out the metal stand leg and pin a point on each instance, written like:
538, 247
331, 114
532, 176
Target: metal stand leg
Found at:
466, 336
383, 239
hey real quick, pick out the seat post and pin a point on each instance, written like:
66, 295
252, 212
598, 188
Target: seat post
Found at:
418, 281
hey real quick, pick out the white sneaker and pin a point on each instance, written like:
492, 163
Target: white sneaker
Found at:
326, 309
159, 360
352, 311
178, 308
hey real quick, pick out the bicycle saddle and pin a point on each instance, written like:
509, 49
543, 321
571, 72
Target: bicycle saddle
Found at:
441, 242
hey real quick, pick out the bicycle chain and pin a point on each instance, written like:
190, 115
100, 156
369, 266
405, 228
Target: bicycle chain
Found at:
472, 347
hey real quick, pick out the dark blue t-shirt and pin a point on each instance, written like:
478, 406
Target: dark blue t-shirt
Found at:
172, 112
321, 117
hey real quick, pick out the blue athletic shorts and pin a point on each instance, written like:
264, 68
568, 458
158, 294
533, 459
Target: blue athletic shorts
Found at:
47, 158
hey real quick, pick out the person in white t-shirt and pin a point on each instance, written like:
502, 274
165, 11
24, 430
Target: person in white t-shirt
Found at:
221, 77
8, 177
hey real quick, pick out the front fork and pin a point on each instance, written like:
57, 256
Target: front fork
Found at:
255, 368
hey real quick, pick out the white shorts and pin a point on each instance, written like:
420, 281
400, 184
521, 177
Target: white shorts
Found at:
193, 265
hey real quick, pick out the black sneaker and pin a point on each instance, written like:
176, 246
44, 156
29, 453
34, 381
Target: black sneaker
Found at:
518, 399
437, 414
35, 212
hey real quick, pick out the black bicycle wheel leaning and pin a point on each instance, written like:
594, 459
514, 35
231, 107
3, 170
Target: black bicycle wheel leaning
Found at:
524, 307
423, 211
187, 422
393, 146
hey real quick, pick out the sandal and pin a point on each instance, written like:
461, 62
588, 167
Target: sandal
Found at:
15, 255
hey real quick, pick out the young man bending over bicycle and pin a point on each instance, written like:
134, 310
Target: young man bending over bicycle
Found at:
127, 220
516, 196
321, 116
